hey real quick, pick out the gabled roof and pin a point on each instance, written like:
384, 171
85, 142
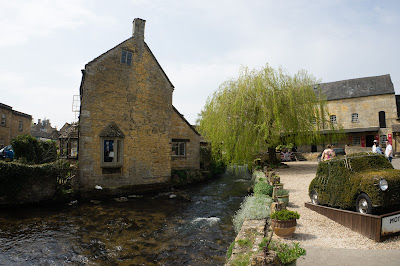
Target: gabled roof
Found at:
360, 87
148, 49
184, 119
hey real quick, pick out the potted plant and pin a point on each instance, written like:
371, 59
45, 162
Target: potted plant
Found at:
282, 195
284, 222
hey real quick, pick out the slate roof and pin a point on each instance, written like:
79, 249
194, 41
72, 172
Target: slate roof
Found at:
360, 87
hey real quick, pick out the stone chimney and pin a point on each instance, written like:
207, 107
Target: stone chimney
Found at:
138, 28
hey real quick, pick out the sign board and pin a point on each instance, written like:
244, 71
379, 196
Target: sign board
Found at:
390, 138
362, 141
390, 224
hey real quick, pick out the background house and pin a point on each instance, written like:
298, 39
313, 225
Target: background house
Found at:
12, 124
129, 132
43, 130
68, 141
366, 108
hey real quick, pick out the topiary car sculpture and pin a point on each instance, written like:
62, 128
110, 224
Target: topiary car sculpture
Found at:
363, 182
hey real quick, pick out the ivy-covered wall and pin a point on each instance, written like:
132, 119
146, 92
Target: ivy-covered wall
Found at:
20, 183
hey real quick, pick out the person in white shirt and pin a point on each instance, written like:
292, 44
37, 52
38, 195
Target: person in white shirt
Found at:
388, 151
374, 146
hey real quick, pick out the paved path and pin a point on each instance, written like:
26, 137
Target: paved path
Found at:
341, 257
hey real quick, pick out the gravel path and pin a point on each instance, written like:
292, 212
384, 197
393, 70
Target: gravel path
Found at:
317, 230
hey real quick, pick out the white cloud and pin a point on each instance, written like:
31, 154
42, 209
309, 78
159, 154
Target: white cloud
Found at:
23, 21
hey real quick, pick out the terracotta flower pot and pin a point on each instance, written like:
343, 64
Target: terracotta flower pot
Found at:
284, 228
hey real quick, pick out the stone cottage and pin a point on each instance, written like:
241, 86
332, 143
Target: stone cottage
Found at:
130, 134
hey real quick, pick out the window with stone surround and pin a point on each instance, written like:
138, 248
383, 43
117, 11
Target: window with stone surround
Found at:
179, 147
126, 57
111, 146
21, 125
356, 140
354, 118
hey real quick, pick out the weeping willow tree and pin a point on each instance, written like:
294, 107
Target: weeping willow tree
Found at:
260, 110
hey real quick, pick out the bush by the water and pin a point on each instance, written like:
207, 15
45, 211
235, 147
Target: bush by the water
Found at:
252, 208
30, 150
262, 188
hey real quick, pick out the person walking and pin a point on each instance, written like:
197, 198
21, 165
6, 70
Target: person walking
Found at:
388, 151
328, 154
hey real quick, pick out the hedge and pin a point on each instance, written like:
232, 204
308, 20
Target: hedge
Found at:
16, 177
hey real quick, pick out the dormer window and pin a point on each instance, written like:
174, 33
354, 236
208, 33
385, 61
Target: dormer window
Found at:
126, 57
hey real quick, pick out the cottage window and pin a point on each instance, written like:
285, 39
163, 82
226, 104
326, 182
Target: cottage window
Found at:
21, 125
112, 152
383, 138
126, 57
382, 119
111, 146
356, 140
179, 147
3, 120
354, 118
333, 119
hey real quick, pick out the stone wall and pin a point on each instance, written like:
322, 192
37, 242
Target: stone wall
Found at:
182, 130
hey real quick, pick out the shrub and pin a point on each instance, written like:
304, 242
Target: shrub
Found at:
262, 188
16, 177
285, 215
286, 253
282, 192
29, 150
253, 207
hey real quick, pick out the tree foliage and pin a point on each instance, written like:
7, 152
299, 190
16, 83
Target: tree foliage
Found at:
260, 110
30, 150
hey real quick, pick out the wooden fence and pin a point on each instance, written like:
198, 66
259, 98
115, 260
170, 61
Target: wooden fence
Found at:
365, 224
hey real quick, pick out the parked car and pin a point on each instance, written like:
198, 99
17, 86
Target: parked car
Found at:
338, 152
363, 182
7, 153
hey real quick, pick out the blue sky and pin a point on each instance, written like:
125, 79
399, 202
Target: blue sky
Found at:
200, 44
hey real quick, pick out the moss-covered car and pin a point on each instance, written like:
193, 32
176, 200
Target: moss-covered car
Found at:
363, 182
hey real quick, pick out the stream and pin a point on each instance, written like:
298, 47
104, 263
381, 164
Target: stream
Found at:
148, 230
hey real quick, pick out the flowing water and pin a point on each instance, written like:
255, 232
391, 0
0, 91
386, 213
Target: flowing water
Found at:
140, 231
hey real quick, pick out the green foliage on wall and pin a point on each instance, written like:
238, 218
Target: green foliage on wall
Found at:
16, 177
29, 150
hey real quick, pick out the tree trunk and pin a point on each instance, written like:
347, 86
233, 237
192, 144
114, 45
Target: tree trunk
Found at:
272, 156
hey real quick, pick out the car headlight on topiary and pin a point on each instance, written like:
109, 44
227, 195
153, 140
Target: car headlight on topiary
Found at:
383, 184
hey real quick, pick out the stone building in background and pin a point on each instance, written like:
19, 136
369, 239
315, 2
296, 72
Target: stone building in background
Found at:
12, 124
129, 132
367, 110
42, 130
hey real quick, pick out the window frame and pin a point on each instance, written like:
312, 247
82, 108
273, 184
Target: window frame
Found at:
382, 139
3, 120
333, 119
126, 57
118, 150
21, 125
181, 146
355, 118
356, 142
